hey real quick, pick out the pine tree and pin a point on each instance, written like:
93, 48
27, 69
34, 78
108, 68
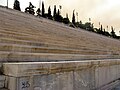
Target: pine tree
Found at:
43, 10
73, 18
17, 5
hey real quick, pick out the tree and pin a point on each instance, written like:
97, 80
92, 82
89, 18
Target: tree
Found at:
30, 9
73, 18
54, 13
88, 26
60, 8
113, 33
80, 25
43, 10
58, 13
66, 20
106, 33
49, 13
38, 12
101, 28
58, 17
17, 5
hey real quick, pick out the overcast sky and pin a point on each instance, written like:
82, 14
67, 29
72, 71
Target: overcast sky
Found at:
105, 11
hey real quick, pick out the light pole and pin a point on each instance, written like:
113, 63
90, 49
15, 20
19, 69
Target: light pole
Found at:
7, 3
40, 4
60, 8
77, 16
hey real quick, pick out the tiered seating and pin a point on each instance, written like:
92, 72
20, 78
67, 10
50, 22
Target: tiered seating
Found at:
24, 37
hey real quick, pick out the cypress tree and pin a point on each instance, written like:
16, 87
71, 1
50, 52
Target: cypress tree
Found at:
101, 28
49, 11
43, 10
58, 13
73, 18
54, 13
66, 20
17, 5
113, 33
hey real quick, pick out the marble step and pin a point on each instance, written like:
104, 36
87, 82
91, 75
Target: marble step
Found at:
41, 44
37, 49
15, 25
52, 41
43, 57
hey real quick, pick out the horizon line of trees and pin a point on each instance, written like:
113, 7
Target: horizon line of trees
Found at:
59, 18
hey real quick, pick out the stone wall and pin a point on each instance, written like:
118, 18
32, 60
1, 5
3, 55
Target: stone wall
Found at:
74, 75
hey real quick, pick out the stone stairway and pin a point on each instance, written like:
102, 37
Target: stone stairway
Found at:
24, 37
31, 47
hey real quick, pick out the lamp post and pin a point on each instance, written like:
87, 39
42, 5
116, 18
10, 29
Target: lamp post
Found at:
77, 16
60, 8
7, 3
40, 4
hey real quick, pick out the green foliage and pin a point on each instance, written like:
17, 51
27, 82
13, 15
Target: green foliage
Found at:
17, 5
101, 28
38, 12
49, 13
106, 33
66, 20
43, 10
54, 13
57, 17
113, 33
88, 26
73, 18
30, 9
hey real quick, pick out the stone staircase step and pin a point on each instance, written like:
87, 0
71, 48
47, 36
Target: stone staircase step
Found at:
20, 37
52, 42
37, 57
61, 43
45, 36
33, 43
36, 49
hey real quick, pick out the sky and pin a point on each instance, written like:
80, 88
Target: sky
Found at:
107, 12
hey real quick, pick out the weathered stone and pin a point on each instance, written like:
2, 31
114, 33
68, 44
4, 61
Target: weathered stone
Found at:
74, 75
24, 37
